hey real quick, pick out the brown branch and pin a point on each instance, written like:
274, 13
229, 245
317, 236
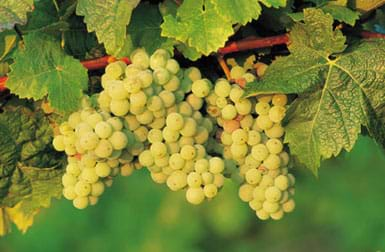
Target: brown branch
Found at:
224, 66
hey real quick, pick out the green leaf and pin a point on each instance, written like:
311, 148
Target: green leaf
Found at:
49, 72
188, 52
168, 7
144, 29
244, 11
14, 12
199, 25
25, 138
8, 41
341, 13
338, 92
108, 19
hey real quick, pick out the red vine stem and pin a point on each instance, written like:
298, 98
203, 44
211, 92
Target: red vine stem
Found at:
237, 46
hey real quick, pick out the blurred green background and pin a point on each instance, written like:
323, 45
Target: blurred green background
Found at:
342, 210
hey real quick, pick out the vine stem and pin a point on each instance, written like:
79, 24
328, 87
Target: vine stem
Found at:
224, 66
237, 46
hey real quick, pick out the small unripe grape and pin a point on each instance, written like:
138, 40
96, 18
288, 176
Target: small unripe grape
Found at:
173, 85
132, 84
172, 66
222, 88
201, 165
207, 178
82, 188
177, 180
243, 106
185, 109
176, 161
58, 143
262, 214
140, 58
103, 129
279, 100
140, 133
102, 169
262, 108
201, 88
138, 99
103, 149
251, 163
274, 145
188, 167
145, 78
80, 202
159, 177
239, 150
89, 175
73, 169
173, 147
161, 76
259, 193
236, 93
168, 98
201, 135
247, 122
246, 192
189, 128
117, 91
175, 121
219, 180
291, 179
126, 170
264, 122
159, 58
200, 151
276, 131
97, 189
170, 135
195, 195
193, 73
119, 107
239, 136
115, 69
253, 176
216, 165
210, 190
158, 149
69, 193
255, 204
115, 123
229, 112
188, 152
68, 180
273, 194
155, 135
194, 179
195, 102
277, 113
284, 158
237, 72
272, 162
281, 182
74, 119
288, 206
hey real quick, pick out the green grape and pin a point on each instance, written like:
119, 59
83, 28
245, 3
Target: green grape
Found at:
160, 113
270, 207
176, 161
74, 119
197, 116
279, 100
173, 84
131, 122
249, 77
284, 158
92, 200
254, 138
266, 181
274, 145
141, 133
255, 205
207, 178
118, 140
138, 99
277, 215
172, 109
229, 112
236, 93
262, 108
291, 179
159, 59
93, 119
140, 58
195, 195
201, 88
65, 129
158, 150
239, 150
272, 162
201, 135
146, 159
273, 194
239, 136
145, 118
115, 69
185, 109
58, 143
276, 131
80, 202
226, 138
277, 113
259, 193
188, 167
195, 102
83, 115
172, 66
185, 141
194, 179
170, 135
159, 177
262, 214
247, 122
103, 149
158, 123
201, 166
117, 91
189, 128
188, 152
73, 169
103, 129
68, 180
288, 206
82, 188
88, 161
216, 165
69, 193
145, 78
281, 182
211, 99
219, 180
155, 103
193, 73
161, 76
246, 192
253, 176
89, 175
222, 88
132, 84
89, 141
102, 170
200, 151
168, 98
177, 180
208, 124
119, 107
162, 162
243, 106
221, 102
265, 98
274, 173
155, 135
210, 190
237, 72
115, 123
175, 121
264, 122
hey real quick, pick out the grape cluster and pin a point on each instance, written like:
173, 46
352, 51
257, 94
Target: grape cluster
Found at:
177, 156
95, 143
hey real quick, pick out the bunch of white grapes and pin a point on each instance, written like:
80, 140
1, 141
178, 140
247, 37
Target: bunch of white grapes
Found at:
177, 156
96, 144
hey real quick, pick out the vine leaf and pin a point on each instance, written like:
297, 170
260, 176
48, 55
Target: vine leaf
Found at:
338, 92
244, 11
108, 19
198, 24
144, 29
14, 12
42, 68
